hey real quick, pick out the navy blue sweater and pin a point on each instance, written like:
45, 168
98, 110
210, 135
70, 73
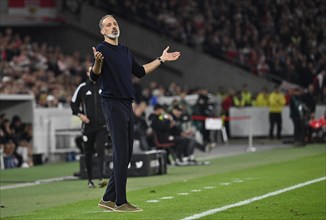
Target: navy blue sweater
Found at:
118, 65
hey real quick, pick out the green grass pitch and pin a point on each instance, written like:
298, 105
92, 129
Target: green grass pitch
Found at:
184, 191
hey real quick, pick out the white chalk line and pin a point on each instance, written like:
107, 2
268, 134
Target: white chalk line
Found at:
185, 193
37, 182
247, 201
167, 197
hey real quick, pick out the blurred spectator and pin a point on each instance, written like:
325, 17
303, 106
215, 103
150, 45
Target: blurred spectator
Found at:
309, 100
187, 133
237, 100
16, 138
298, 112
246, 97
227, 103
184, 104
262, 98
7, 141
203, 109
276, 103
22, 136
318, 128
7, 146
320, 86
162, 123
142, 132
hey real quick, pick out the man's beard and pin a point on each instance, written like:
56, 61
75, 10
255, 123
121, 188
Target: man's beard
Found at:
113, 36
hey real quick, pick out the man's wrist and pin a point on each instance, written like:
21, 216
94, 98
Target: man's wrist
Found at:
96, 69
159, 59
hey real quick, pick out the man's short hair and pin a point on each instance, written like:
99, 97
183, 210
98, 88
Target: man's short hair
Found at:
101, 21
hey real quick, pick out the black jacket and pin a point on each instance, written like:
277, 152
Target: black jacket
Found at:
161, 127
118, 67
87, 100
298, 109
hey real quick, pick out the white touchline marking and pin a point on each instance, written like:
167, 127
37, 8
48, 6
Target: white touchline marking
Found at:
247, 201
196, 190
225, 184
183, 194
209, 187
167, 197
37, 182
153, 201
237, 181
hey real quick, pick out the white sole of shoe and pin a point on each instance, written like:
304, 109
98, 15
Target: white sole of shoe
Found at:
127, 211
106, 207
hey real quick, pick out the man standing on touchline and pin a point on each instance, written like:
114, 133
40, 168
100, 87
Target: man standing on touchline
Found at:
86, 104
115, 64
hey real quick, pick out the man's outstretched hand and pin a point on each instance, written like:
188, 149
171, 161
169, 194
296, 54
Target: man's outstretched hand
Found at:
97, 55
97, 68
169, 56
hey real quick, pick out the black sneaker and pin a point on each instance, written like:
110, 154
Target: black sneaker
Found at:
102, 183
91, 184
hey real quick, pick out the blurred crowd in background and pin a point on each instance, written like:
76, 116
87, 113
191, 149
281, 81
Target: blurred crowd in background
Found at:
282, 40
15, 141
29, 67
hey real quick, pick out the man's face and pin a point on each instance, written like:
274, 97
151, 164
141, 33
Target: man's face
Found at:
110, 28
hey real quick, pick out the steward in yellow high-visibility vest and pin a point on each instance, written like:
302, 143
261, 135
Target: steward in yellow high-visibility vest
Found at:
276, 103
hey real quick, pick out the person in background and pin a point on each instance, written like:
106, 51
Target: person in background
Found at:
262, 98
202, 109
246, 96
237, 100
186, 133
227, 103
318, 127
310, 101
163, 124
7, 146
86, 104
22, 136
298, 111
276, 103
142, 131
184, 104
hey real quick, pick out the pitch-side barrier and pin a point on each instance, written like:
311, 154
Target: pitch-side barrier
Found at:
217, 124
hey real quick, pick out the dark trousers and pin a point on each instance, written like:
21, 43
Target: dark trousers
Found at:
140, 135
94, 142
275, 119
190, 146
120, 121
299, 130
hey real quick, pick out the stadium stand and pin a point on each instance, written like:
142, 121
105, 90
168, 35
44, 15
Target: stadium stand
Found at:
281, 39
